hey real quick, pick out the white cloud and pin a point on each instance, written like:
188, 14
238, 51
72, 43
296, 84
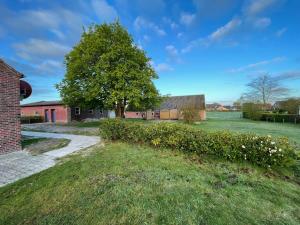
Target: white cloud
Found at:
280, 32
170, 22
256, 7
218, 35
39, 18
288, 75
141, 23
261, 22
146, 38
173, 54
179, 35
104, 11
187, 18
50, 67
171, 50
37, 49
58, 33
163, 67
257, 64
225, 30
39, 22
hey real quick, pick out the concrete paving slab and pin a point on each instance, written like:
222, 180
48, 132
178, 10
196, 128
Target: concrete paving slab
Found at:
18, 165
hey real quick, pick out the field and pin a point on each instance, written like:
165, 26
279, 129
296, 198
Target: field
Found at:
232, 121
126, 184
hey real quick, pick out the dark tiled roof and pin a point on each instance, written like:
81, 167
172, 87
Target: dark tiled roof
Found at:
178, 102
43, 103
11, 68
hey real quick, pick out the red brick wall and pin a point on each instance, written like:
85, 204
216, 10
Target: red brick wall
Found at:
10, 129
62, 112
134, 115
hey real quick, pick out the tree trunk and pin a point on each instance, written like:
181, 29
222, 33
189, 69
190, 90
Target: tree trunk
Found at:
123, 112
118, 111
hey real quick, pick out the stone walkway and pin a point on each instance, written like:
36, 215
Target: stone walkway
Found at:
17, 165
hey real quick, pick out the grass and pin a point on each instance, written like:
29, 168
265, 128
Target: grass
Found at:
232, 121
38, 146
75, 132
97, 123
26, 142
126, 184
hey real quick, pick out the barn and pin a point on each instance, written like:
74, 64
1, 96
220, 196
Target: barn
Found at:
171, 107
58, 112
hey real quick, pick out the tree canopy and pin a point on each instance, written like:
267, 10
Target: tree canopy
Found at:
106, 69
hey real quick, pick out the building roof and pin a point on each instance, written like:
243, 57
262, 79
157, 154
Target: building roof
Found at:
43, 103
179, 102
21, 75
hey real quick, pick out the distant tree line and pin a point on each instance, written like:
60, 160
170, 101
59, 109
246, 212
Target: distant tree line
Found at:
266, 99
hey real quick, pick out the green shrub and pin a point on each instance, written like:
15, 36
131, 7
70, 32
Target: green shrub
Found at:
189, 115
259, 150
252, 111
32, 119
277, 117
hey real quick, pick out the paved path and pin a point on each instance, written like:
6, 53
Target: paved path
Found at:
17, 165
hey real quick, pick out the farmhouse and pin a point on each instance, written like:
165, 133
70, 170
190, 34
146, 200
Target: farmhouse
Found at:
11, 91
171, 107
57, 112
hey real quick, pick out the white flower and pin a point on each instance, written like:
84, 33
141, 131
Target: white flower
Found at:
272, 142
279, 150
269, 135
243, 146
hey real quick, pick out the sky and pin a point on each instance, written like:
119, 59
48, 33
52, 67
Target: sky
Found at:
211, 47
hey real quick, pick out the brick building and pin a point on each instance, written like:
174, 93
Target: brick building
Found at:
57, 112
10, 128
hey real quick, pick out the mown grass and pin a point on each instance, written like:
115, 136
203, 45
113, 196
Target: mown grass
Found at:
231, 121
126, 184
26, 142
37, 146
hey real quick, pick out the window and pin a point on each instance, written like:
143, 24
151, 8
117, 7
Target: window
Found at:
137, 114
36, 113
91, 111
101, 112
77, 111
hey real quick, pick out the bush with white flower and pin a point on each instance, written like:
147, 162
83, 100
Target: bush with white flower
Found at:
265, 151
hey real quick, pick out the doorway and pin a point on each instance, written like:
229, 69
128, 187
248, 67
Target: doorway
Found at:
53, 115
46, 116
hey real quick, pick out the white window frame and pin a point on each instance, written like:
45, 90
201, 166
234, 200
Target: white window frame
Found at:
77, 111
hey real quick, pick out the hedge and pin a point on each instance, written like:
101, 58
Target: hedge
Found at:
31, 119
264, 151
276, 117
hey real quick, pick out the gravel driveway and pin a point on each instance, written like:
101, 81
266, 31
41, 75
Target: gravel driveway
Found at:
17, 165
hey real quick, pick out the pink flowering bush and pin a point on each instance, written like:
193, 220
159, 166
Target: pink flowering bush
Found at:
264, 151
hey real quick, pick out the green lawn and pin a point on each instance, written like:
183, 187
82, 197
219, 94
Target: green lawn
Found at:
37, 146
126, 184
232, 121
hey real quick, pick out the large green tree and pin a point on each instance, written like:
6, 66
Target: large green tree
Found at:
106, 69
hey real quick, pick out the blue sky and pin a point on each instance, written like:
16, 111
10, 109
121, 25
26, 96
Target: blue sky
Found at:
211, 47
